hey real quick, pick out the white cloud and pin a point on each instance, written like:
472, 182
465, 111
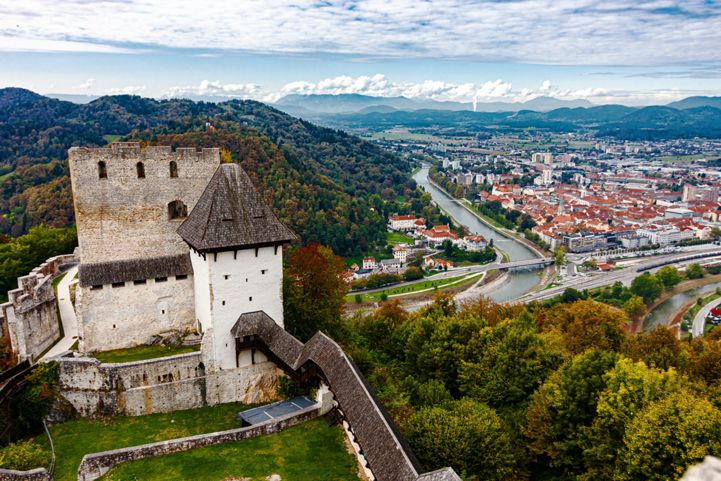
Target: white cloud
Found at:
87, 85
128, 90
215, 89
581, 32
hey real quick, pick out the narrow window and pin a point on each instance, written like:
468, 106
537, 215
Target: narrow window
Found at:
226, 277
140, 282
250, 299
177, 210
96, 287
173, 169
180, 277
223, 303
102, 170
263, 271
161, 279
140, 169
118, 284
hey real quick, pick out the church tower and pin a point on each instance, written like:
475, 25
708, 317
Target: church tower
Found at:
236, 250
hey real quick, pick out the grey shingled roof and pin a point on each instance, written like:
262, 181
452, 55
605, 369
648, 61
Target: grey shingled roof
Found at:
134, 270
231, 214
387, 453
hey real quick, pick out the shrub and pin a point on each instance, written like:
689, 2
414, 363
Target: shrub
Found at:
24, 455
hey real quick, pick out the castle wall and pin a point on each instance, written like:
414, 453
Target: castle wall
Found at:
29, 318
122, 216
160, 385
241, 281
128, 314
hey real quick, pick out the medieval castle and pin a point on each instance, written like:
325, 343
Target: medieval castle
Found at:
178, 241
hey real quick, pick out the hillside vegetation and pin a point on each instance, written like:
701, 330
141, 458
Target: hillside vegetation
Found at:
327, 185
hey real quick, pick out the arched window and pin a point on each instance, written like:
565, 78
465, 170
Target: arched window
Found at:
102, 170
140, 168
177, 210
173, 169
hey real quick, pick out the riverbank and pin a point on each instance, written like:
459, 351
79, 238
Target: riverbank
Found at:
677, 314
491, 225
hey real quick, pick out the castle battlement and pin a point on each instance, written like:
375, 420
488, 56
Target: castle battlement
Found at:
118, 151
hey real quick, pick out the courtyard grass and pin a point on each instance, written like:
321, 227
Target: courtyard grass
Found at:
75, 439
398, 238
418, 286
142, 353
312, 451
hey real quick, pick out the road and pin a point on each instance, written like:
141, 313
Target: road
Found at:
67, 316
624, 276
699, 322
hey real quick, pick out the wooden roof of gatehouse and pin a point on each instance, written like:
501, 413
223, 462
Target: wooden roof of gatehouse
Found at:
388, 455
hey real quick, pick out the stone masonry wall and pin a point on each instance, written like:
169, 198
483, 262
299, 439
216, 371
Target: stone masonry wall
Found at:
124, 217
160, 385
29, 318
39, 474
95, 465
115, 317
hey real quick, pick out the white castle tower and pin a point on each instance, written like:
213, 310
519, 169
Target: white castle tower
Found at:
237, 257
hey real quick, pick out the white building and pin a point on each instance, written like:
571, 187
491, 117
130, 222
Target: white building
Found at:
665, 236
400, 253
402, 222
542, 158
369, 263
474, 243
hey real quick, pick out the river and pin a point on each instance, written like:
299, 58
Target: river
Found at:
663, 313
520, 282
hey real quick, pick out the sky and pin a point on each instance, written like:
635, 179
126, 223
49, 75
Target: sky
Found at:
632, 52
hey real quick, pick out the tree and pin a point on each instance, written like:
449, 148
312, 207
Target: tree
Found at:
715, 233
659, 348
635, 307
586, 324
630, 387
571, 295
669, 276
563, 409
560, 256
506, 364
694, 271
313, 291
467, 435
669, 436
647, 286
413, 273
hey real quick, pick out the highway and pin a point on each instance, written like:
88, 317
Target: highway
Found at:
625, 275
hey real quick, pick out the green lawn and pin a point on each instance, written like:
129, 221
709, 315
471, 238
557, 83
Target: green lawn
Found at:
419, 286
686, 158
140, 353
57, 280
398, 238
312, 451
74, 439
111, 137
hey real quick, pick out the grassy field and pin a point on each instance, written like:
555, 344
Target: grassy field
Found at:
312, 451
419, 286
74, 439
111, 137
404, 136
687, 158
141, 353
398, 238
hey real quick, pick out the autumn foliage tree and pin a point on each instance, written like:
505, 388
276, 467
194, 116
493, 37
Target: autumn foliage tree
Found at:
313, 288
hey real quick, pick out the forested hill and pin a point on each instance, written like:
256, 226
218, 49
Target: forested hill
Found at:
325, 183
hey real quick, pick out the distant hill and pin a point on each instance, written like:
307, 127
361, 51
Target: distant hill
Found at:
693, 102
74, 98
321, 105
632, 123
320, 181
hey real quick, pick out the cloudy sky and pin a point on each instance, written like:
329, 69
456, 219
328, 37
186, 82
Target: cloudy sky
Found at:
634, 52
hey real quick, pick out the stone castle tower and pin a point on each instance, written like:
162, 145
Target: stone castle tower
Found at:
171, 240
